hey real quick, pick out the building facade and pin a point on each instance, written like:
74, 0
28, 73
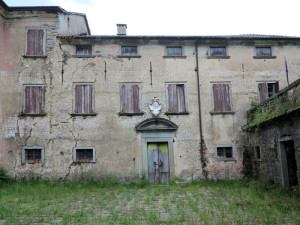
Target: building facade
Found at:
164, 106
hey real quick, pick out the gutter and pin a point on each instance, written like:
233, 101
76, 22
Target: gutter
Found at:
202, 159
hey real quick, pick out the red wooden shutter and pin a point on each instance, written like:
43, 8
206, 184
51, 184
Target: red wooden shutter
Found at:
180, 98
263, 91
33, 99
123, 99
172, 95
35, 42
276, 86
221, 93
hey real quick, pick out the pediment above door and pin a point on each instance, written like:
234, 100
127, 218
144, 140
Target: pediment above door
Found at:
156, 124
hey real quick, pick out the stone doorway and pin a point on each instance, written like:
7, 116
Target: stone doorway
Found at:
288, 163
158, 162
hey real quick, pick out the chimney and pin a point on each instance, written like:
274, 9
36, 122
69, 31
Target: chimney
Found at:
121, 29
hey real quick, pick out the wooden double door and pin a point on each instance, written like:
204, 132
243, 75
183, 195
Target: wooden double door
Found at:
158, 162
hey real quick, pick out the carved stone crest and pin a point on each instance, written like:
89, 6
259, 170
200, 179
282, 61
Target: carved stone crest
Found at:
155, 107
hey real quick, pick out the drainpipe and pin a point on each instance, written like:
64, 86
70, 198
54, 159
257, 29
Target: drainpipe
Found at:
203, 161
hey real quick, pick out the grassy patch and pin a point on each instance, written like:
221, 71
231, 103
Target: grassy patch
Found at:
207, 202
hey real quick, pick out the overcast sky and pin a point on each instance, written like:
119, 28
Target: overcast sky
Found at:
185, 17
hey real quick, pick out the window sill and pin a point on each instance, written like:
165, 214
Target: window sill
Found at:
226, 159
177, 113
131, 114
32, 114
129, 56
83, 56
83, 114
219, 57
174, 56
83, 162
35, 56
221, 113
264, 57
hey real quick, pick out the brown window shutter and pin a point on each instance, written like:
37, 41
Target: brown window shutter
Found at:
123, 99
84, 99
135, 98
33, 99
78, 99
172, 95
276, 86
35, 42
263, 92
180, 98
221, 94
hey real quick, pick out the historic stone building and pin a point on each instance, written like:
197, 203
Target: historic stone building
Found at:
164, 106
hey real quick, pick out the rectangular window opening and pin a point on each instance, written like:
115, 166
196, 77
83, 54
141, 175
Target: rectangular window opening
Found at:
130, 98
221, 97
84, 154
224, 152
83, 50
174, 51
32, 155
218, 51
267, 90
263, 51
257, 152
129, 50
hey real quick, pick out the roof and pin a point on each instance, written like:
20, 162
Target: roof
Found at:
49, 9
204, 37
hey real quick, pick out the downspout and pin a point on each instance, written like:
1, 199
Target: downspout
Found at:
202, 159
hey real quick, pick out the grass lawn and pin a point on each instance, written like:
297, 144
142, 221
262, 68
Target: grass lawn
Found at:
206, 202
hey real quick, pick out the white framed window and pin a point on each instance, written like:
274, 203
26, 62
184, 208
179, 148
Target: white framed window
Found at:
84, 154
224, 152
34, 98
33, 155
35, 42
176, 97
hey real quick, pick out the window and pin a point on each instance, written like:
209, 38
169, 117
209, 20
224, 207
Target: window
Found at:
129, 50
35, 42
224, 152
263, 51
257, 152
130, 98
267, 90
83, 50
176, 98
32, 155
174, 51
221, 97
33, 102
218, 51
84, 99
84, 154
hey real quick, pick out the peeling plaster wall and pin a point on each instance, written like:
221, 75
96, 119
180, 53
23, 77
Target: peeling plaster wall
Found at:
71, 24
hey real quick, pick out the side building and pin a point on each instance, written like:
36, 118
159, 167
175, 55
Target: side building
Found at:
163, 106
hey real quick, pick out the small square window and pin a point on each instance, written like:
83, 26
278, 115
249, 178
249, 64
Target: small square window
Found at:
174, 51
83, 50
218, 51
224, 152
84, 154
263, 51
33, 102
257, 152
129, 50
35, 45
32, 155
84, 99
